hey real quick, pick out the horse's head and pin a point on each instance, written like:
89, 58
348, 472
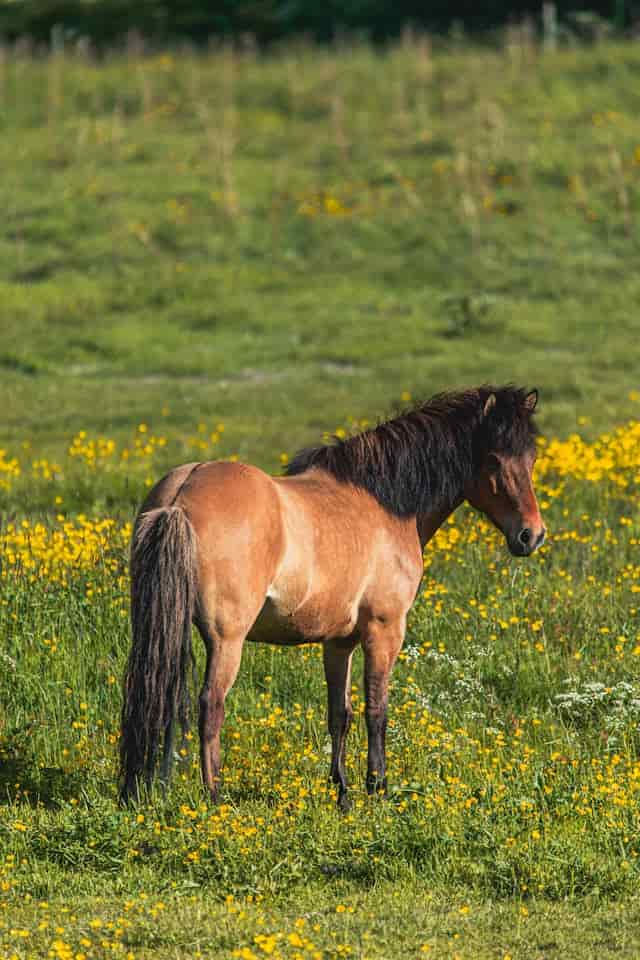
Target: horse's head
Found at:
506, 452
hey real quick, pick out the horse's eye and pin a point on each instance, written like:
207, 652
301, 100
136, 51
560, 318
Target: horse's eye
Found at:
493, 464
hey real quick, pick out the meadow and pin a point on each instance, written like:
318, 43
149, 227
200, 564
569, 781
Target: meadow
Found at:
228, 254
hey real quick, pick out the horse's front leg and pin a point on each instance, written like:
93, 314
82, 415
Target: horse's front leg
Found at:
381, 640
337, 670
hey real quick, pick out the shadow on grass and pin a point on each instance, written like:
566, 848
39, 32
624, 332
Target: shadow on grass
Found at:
22, 780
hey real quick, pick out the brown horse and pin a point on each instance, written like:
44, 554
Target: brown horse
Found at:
330, 553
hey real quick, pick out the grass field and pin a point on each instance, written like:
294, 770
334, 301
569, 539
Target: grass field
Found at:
228, 256
278, 242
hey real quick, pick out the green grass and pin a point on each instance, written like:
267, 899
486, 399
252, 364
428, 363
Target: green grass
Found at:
514, 821
415, 922
278, 244
279, 241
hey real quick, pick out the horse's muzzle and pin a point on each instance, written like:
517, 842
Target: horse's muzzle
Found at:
526, 541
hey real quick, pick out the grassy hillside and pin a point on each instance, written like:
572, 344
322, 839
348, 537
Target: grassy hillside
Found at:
229, 256
279, 242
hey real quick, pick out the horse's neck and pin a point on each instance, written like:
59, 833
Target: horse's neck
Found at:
428, 523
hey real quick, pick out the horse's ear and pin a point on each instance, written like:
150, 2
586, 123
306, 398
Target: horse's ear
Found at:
489, 404
531, 401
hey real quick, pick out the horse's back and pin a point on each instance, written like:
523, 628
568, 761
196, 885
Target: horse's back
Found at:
165, 491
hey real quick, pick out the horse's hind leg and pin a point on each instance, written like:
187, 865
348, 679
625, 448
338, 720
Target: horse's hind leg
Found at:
170, 735
337, 670
224, 653
167, 754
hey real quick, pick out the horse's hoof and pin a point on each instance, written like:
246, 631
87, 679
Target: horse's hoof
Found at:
378, 788
344, 803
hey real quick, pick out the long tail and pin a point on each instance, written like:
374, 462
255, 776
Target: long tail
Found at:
163, 594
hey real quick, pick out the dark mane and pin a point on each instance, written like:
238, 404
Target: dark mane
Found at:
422, 459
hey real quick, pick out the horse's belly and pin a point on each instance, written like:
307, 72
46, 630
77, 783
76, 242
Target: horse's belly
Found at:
272, 627
307, 624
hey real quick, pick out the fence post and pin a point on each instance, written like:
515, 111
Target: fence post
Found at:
549, 26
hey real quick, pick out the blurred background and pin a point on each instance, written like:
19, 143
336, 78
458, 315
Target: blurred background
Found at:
265, 21
243, 224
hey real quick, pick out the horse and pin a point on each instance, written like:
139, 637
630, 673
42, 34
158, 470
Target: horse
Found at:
331, 553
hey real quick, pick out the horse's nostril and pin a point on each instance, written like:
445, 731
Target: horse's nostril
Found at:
525, 537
